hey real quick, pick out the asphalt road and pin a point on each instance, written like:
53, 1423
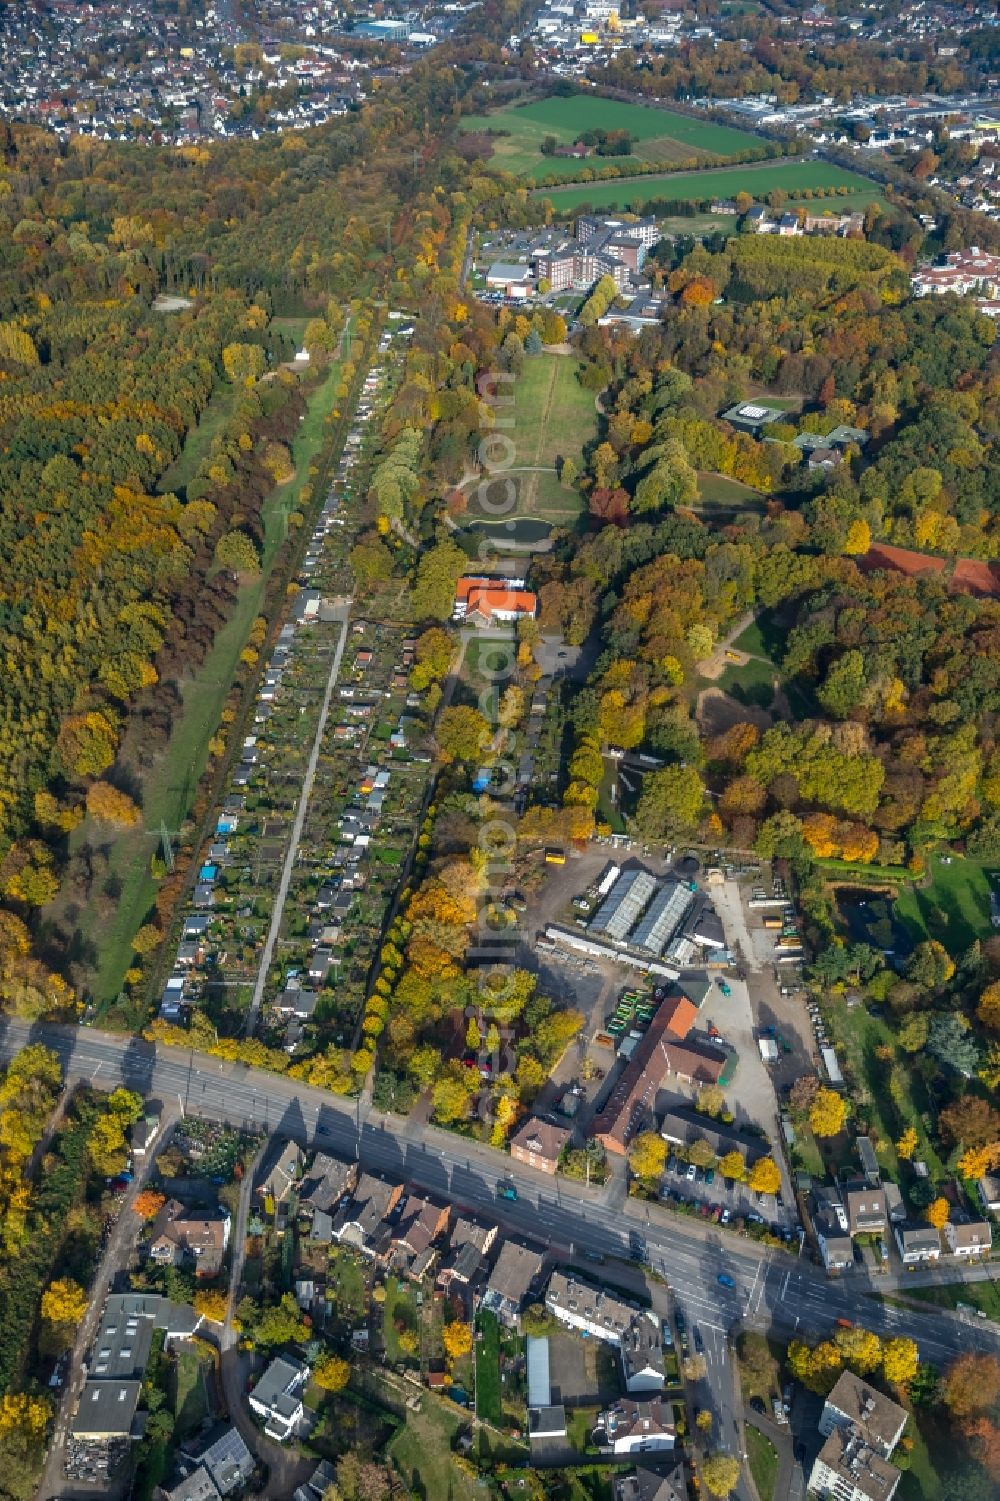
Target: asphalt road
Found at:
772, 1289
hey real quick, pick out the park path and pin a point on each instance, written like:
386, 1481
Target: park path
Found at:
291, 855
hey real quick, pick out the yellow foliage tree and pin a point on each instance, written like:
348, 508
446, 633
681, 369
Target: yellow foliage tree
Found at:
457, 1339
647, 1156
720, 1474
332, 1373
765, 1176
212, 1304
937, 1214
827, 1113
900, 1358
907, 1144
106, 803
64, 1302
859, 538
732, 1166
988, 1010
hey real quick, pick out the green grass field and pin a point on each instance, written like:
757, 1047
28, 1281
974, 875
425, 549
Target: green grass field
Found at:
182, 471
422, 1453
719, 490
792, 178
982, 1295
762, 1457
553, 416
752, 684
662, 135
762, 638
954, 907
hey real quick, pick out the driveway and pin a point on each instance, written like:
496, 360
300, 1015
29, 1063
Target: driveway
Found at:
286, 1467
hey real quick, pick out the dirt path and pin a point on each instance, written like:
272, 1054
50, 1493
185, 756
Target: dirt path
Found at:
715, 665
716, 712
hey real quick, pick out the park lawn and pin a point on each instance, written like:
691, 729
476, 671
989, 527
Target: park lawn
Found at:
421, 1451
982, 1295
184, 468
954, 907
662, 135
759, 179
762, 1457
168, 787
719, 489
750, 684
920, 1481
489, 1403
553, 414
763, 638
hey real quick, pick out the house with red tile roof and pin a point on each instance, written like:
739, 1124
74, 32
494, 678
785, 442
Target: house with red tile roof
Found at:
633, 1096
489, 601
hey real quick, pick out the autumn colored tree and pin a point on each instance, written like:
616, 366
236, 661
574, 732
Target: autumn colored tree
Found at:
937, 1213
332, 1373
694, 1368
827, 1113
907, 1144
212, 1303
64, 1302
462, 733
859, 1348
148, 938
148, 1203
971, 1122
971, 1384
732, 1166
900, 1359
109, 805
978, 1161
765, 1176
720, 1474
456, 1338
988, 1009
235, 550
647, 1155
704, 1420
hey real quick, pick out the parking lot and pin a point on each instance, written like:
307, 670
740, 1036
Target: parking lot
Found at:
725, 1202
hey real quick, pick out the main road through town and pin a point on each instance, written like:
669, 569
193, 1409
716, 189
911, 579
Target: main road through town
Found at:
773, 1289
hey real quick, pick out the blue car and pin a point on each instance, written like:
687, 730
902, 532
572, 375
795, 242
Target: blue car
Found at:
725, 1280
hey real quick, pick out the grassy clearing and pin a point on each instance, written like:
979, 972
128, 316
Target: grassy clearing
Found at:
422, 1453
182, 471
954, 907
169, 786
855, 870
763, 638
921, 1481
793, 178
762, 1457
488, 1399
662, 136
719, 489
752, 684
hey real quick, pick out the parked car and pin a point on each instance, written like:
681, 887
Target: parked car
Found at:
699, 1343
725, 1280
506, 1191
692, 1172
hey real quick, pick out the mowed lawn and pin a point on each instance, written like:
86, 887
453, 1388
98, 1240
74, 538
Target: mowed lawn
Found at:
954, 907
758, 179
661, 135
553, 417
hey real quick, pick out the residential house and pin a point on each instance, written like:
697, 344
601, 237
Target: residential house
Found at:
325, 1182
514, 1277
653, 1485
631, 1427
277, 1397
282, 1175
594, 1312
468, 1246
226, 1458
835, 1245
486, 601
422, 1221
854, 1403
867, 1213
143, 1133
196, 1485
181, 1235
538, 1143
917, 1243
362, 1222
968, 1237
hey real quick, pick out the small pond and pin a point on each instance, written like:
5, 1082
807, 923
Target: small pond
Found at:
869, 917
